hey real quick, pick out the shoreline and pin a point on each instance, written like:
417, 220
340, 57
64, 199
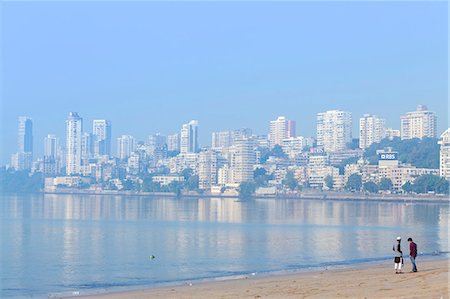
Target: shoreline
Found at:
309, 195
340, 281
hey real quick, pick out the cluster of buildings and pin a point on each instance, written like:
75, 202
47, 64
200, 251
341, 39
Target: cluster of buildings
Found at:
86, 158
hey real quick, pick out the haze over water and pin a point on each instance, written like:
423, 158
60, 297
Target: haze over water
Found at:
59, 244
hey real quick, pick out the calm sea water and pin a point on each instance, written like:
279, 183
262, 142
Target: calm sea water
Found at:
64, 244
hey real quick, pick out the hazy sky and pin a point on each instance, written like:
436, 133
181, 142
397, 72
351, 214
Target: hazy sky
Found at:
151, 66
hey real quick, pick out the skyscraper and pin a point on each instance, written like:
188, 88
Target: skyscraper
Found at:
101, 129
25, 142
189, 137
243, 161
156, 142
173, 142
126, 144
444, 161
371, 130
24, 156
281, 129
207, 169
222, 139
50, 146
334, 130
419, 124
87, 146
50, 155
74, 127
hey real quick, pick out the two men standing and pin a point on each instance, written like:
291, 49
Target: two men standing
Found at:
398, 259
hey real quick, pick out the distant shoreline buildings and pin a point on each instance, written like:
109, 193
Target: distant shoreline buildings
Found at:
234, 157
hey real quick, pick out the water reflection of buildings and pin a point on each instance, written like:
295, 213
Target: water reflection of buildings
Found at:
204, 232
106, 238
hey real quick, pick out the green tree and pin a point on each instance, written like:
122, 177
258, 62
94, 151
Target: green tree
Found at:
407, 187
290, 181
386, 184
20, 181
260, 176
430, 183
277, 152
442, 186
329, 182
176, 188
354, 182
187, 173
422, 153
148, 185
192, 182
128, 185
426, 183
370, 187
246, 189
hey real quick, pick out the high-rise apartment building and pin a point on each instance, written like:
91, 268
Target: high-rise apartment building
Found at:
189, 137
243, 160
51, 146
126, 144
156, 142
444, 161
87, 146
222, 139
74, 131
281, 129
25, 142
207, 169
291, 131
101, 129
391, 133
24, 157
173, 142
419, 124
371, 130
51, 165
242, 133
334, 130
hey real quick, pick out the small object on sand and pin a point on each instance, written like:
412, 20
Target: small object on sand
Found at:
254, 273
190, 284
152, 257
75, 293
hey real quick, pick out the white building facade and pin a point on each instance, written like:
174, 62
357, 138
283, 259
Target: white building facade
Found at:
74, 127
371, 130
419, 124
444, 160
334, 130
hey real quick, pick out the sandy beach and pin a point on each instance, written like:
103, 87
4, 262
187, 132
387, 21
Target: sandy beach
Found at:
432, 281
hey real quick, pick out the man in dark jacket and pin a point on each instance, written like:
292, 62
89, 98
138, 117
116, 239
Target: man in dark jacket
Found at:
413, 253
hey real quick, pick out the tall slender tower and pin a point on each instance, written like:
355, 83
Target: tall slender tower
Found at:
101, 129
371, 130
74, 128
24, 157
25, 142
281, 129
126, 144
189, 137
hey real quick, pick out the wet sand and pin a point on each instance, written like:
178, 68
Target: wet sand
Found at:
432, 281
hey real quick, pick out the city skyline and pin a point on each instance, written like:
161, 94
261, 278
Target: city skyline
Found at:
113, 147
224, 76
